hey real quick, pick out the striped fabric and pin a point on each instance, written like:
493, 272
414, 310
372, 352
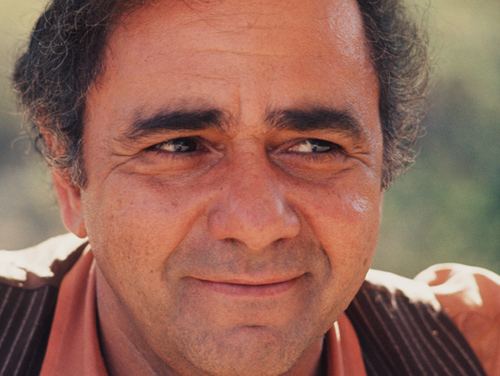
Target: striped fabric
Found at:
25, 321
399, 337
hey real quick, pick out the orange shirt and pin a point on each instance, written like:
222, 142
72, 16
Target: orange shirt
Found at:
471, 296
73, 347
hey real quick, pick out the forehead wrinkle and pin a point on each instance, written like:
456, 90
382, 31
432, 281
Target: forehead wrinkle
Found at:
243, 53
211, 77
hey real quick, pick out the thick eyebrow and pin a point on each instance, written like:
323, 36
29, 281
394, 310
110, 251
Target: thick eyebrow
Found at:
297, 119
316, 118
175, 120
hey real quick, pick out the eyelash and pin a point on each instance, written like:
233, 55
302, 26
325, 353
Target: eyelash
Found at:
172, 154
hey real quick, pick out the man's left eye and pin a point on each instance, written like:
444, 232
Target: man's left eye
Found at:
314, 146
179, 145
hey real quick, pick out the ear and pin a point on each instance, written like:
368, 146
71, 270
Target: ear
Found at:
70, 208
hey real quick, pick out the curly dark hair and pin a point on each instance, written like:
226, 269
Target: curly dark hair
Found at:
65, 56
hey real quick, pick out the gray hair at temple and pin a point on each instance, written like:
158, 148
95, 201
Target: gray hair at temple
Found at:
65, 56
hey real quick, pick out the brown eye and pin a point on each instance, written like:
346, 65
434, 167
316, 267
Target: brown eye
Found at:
179, 145
314, 146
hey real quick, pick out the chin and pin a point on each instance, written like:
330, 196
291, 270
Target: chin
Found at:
246, 351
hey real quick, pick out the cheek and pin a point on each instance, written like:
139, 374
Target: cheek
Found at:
135, 223
349, 229
345, 219
343, 215
348, 236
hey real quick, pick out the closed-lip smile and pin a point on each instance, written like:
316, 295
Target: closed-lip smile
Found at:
249, 288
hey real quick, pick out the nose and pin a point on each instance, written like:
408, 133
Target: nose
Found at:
252, 208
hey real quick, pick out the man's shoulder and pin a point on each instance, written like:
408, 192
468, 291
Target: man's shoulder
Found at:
29, 281
40, 265
448, 287
445, 309
394, 285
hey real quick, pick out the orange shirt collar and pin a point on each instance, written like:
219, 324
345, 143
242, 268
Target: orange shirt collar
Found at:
73, 347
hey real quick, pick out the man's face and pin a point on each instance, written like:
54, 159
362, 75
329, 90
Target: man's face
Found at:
234, 154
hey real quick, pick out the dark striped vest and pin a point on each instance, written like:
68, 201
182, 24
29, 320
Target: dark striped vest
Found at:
398, 336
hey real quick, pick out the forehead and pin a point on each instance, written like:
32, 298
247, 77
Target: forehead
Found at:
261, 53
305, 22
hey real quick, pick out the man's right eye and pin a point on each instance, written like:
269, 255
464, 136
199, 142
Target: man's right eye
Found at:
178, 145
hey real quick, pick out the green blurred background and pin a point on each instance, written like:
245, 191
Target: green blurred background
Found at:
447, 208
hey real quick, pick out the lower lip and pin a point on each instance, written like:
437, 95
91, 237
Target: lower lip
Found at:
235, 289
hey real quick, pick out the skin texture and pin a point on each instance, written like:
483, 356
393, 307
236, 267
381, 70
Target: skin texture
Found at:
190, 241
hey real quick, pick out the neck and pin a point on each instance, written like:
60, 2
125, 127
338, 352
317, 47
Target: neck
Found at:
311, 362
124, 350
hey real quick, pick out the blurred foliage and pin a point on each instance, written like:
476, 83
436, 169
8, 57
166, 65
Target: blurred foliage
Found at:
27, 205
446, 209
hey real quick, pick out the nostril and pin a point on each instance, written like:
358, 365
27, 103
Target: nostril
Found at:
233, 242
